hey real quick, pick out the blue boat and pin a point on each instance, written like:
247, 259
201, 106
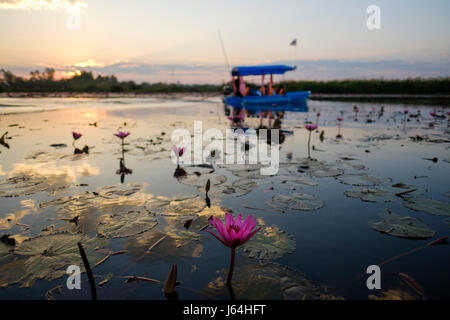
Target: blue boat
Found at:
263, 99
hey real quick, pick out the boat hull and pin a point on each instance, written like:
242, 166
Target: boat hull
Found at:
295, 101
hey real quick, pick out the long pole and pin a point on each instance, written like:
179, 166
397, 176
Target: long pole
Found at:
223, 50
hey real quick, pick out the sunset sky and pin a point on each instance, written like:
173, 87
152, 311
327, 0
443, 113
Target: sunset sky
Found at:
145, 40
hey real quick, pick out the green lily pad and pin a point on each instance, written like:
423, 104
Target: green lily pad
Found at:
264, 281
320, 169
402, 226
111, 199
200, 181
269, 243
432, 206
360, 179
125, 224
47, 257
4, 250
299, 181
181, 205
296, 201
371, 195
170, 248
247, 171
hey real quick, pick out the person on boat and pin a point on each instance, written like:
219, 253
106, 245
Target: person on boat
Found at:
236, 84
242, 86
281, 89
270, 91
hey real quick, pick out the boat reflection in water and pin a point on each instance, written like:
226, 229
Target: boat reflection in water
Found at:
246, 101
256, 117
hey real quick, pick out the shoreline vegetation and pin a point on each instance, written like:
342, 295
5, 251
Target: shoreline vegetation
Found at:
85, 84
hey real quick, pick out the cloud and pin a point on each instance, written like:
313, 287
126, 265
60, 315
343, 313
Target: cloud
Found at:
68, 5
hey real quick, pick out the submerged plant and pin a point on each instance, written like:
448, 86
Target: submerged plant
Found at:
310, 128
233, 234
339, 120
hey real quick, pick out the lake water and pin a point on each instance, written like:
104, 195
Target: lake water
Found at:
320, 252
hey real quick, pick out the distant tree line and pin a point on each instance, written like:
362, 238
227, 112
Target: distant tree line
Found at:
86, 82
373, 86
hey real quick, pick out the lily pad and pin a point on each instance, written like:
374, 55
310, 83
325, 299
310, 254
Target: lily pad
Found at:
269, 243
164, 247
4, 250
402, 226
299, 181
296, 201
320, 169
432, 206
125, 224
186, 204
371, 195
265, 280
47, 257
360, 179
200, 181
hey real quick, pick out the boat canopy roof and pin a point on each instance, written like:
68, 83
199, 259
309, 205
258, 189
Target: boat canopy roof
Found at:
260, 70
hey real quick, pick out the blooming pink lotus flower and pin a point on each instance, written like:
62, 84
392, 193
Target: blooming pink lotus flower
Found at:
76, 135
122, 134
233, 234
310, 127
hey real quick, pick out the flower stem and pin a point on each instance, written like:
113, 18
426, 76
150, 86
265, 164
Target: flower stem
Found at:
309, 141
231, 269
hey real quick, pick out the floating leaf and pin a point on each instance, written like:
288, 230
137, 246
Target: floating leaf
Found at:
265, 280
371, 195
319, 169
200, 181
361, 179
299, 180
402, 226
186, 204
432, 206
4, 250
46, 257
125, 224
394, 294
269, 243
296, 201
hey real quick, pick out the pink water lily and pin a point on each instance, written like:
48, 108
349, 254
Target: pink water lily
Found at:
179, 151
310, 127
122, 134
76, 135
233, 233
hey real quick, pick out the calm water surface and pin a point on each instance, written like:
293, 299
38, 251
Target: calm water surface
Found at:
333, 244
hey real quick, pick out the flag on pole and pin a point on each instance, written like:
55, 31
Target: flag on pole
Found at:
293, 43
